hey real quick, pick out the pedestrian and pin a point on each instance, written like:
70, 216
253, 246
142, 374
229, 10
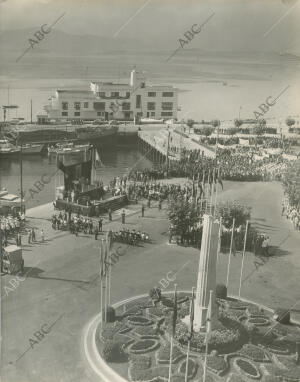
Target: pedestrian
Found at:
29, 236
123, 217
109, 215
42, 235
143, 210
149, 202
100, 223
159, 204
96, 233
19, 240
33, 235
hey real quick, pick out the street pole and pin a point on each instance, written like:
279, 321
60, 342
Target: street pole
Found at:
31, 111
167, 158
230, 252
21, 177
244, 249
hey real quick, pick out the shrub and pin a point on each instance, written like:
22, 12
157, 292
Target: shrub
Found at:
163, 355
216, 363
110, 314
283, 316
221, 291
155, 294
140, 362
113, 351
145, 331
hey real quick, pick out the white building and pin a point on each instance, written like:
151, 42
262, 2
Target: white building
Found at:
113, 101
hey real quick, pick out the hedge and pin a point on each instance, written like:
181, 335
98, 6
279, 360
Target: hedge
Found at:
113, 351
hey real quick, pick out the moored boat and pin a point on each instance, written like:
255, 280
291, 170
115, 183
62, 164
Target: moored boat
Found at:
8, 149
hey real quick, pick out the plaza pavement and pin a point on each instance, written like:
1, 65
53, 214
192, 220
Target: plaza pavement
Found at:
61, 289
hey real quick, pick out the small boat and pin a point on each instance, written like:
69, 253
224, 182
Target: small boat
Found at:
8, 149
68, 148
34, 148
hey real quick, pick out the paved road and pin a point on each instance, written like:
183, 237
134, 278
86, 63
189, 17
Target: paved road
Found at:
61, 291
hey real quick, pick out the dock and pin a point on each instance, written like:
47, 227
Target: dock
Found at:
171, 142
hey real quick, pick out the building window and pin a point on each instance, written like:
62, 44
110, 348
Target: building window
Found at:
166, 114
99, 105
167, 105
151, 94
114, 94
126, 106
127, 94
77, 105
151, 106
100, 113
101, 94
152, 113
167, 94
77, 114
65, 105
86, 105
64, 113
138, 101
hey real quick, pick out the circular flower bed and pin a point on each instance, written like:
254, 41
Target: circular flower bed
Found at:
139, 320
259, 321
247, 367
192, 368
143, 346
240, 305
279, 347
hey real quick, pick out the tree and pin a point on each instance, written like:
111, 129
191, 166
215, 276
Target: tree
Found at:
238, 122
231, 210
215, 123
190, 123
290, 122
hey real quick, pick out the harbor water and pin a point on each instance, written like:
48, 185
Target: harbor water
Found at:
115, 162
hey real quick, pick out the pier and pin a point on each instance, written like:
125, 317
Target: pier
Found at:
170, 142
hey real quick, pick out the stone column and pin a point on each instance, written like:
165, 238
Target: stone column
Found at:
207, 272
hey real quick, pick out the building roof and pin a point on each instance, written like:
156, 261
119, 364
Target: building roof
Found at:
74, 91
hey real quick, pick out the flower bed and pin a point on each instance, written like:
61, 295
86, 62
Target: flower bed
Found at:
152, 374
142, 331
192, 368
246, 367
156, 311
259, 321
163, 355
279, 347
235, 304
139, 320
235, 378
254, 353
143, 346
216, 364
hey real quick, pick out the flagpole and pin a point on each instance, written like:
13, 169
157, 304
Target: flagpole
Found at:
216, 195
208, 331
189, 341
244, 249
109, 277
101, 273
171, 345
104, 283
230, 252
219, 238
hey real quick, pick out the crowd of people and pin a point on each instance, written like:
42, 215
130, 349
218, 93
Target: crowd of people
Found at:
10, 227
241, 164
292, 213
132, 237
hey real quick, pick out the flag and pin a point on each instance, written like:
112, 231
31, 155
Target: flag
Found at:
209, 318
192, 313
174, 314
97, 161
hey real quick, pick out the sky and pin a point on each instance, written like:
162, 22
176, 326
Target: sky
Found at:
235, 25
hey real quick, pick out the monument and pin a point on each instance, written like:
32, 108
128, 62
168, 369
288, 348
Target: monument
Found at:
207, 272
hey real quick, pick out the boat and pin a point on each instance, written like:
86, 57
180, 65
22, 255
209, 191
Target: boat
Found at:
8, 149
68, 148
31, 149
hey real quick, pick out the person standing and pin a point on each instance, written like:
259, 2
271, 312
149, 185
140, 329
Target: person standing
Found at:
33, 235
143, 210
29, 236
42, 235
109, 215
149, 202
123, 217
96, 233
100, 223
159, 204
